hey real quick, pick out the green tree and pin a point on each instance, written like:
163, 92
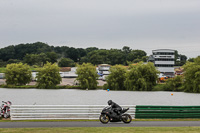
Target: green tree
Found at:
10, 61
66, 62
72, 53
84, 59
87, 76
90, 49
181, 60
116, 56
81, 53
99, 57
31, 59
174, 84
192, 76
37, 59
43, 59
48, 76
115, 80
30, 48
3, 63
52, 57
143, 59
191, 59
126, 50
18, 74
7, 53
136, 54
136, 60
141, 77
20, 50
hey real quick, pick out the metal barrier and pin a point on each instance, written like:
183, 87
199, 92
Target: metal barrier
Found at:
45, 112
166, 112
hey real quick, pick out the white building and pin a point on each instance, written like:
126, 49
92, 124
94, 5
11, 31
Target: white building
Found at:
164, 61
2, 75
70, 74
104, 70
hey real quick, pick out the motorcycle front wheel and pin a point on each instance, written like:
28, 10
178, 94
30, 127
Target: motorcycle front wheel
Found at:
6, 114
126, 118
104, 119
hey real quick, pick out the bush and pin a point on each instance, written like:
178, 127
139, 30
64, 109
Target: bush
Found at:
158, 87
192, 76
174, 84
66, 62
141, 77
87, 76
18, 74
48, 76
115, 80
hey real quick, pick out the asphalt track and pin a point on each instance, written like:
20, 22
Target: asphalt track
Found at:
98, 124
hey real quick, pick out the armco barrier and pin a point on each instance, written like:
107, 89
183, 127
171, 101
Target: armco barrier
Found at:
44, 112
150, 112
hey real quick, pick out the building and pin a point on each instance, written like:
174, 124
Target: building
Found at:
103, 69
164, 61
2, 75
179, 71
69, 74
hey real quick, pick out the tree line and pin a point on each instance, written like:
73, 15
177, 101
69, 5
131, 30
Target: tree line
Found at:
19, 74
143, 77
189, 81
39, 53
137, 77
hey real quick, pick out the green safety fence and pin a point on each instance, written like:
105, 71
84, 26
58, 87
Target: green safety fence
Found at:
165, 112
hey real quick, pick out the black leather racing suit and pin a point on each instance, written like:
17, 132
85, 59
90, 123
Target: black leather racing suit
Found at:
116, 108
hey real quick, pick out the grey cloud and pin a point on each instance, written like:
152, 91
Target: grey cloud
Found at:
140, 24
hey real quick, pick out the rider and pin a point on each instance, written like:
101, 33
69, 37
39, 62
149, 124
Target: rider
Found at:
5, 104
116, 108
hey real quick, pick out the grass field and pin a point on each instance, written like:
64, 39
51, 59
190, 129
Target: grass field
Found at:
2, 69
104, 130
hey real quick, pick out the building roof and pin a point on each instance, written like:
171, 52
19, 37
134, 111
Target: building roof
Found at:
171, 50
103, 65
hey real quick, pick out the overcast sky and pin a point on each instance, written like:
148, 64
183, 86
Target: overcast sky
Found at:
139, 24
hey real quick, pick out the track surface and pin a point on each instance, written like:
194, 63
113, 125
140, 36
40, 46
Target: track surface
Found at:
98, 124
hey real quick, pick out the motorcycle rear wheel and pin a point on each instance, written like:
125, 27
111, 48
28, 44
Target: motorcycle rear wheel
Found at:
126, 118
104, 119
6, 114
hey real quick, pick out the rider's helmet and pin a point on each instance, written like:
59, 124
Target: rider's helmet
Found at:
109, 102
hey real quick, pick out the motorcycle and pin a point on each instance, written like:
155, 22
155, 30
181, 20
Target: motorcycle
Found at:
5, 109
108, 115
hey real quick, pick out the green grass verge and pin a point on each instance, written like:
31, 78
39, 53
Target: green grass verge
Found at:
34, 86
18, 87
67, 87
2, 69
104, 130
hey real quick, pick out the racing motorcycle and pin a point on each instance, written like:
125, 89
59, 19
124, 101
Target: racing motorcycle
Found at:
109, 115
5, 109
